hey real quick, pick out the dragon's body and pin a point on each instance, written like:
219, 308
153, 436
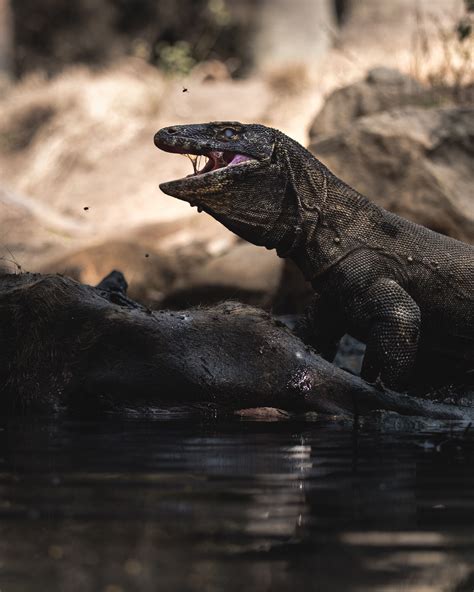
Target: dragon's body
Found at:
405, 291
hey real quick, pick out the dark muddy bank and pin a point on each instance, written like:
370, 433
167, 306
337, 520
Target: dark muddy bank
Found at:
71, 347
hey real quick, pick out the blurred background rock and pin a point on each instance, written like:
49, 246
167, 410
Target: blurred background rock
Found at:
381, 91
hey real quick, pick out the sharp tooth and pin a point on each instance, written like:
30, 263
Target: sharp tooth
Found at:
192, 158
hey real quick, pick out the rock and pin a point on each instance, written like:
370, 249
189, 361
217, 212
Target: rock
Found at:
30, 228
415, 162
178, 264
383, 89
152, 274
246, 272
390, 77
84, 139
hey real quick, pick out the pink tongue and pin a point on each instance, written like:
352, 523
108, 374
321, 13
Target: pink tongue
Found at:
238, 158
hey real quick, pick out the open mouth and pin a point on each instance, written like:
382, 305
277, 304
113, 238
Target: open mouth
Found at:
215, 161
205, 160
215, 166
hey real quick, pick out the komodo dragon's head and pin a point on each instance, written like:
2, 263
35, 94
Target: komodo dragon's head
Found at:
247, 182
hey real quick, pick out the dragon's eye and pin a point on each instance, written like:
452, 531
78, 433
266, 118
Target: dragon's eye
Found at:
229, 133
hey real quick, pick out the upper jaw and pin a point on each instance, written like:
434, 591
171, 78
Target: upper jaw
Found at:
180, 143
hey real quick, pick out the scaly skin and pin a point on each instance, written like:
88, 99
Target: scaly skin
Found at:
404, 290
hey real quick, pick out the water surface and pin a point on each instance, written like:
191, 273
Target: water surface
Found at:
235, 505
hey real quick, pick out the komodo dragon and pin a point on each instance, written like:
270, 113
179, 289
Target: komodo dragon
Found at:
402, 289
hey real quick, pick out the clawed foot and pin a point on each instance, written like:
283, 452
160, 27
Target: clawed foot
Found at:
378, 384
114, 282
114, 287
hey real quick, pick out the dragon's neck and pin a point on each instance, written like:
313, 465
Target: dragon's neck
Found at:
332, 218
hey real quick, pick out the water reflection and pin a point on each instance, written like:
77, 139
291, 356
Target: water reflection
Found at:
211, 506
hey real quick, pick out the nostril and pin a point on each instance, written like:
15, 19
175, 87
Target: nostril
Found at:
172, 130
